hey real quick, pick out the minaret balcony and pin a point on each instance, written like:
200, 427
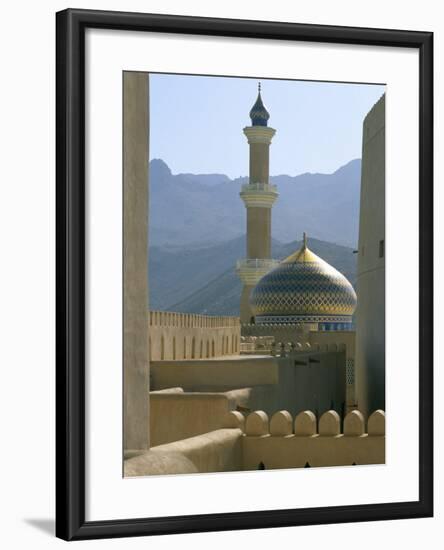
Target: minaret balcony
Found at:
259, 134
251, 270
261, 195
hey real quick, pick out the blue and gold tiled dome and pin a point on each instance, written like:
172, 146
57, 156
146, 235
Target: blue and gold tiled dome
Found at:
304, 289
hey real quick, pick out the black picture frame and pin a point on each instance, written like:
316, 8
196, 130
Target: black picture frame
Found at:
70, 273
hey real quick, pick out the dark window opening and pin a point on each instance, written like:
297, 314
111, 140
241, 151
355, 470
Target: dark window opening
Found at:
381, 248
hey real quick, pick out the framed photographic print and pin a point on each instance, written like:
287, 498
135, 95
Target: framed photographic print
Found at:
244, 274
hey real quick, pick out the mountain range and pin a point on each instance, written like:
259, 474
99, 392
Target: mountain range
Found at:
205, 209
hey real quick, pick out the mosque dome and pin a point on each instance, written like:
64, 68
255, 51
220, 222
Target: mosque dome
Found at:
304, 289
259, 114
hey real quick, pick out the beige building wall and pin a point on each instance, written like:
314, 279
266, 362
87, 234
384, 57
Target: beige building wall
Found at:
297, 335
178, 336
370, 313
180, 415
135, 250
341, 337
313, 379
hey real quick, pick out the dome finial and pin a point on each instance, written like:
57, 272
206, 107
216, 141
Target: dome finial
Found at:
305, 240
259, 87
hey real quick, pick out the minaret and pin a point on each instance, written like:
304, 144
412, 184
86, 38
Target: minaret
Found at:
259, 196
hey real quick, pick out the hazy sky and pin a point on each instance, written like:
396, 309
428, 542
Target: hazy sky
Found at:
196, 123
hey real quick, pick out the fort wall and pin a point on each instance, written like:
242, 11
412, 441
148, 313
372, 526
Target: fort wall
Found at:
258, 443
177, 336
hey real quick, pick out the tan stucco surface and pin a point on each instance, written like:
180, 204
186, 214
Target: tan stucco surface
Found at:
135, 276
294, 452
176, 416
370, 313
217, 451
303, 380
177, 336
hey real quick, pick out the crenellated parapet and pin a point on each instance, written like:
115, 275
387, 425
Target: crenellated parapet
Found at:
191, 320
287, 442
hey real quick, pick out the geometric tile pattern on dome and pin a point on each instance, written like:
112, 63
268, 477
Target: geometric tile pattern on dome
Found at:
303, 284
295, 319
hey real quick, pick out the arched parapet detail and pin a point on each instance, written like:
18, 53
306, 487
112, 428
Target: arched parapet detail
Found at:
354, 424
376, 423
257, 423
281, 424
235, 419
305, 423
329, 424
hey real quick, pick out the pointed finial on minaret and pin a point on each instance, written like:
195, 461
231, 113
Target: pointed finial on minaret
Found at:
259, 114
305, 240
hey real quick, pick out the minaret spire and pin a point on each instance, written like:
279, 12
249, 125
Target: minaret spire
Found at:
259, 114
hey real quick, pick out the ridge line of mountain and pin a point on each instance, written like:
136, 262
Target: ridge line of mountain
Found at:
164, 165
